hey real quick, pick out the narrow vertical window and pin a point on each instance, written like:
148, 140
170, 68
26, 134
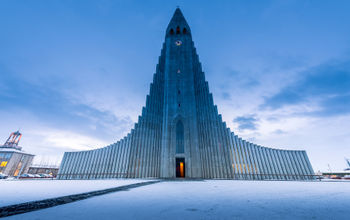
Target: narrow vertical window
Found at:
180, 138
178, 30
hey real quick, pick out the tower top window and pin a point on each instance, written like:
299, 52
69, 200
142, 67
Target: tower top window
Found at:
178, 30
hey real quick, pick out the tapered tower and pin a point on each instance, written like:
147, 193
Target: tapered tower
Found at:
180, 133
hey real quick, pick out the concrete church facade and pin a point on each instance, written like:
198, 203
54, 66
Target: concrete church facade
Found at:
181, 134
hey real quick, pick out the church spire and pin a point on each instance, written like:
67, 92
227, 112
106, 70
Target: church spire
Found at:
178, 24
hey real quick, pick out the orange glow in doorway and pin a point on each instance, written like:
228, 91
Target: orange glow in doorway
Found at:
182, 173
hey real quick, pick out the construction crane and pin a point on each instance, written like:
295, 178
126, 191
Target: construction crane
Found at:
13, 140
348, 161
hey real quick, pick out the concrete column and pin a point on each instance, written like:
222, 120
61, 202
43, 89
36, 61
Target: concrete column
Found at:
259, 162
136, 148
272, 163
201, 134
105, 162
205, 141
108, 162
311, 171
87, 164
260, 168
302, 164
227, 149
219, 173
247, 160
63, 166
146, 146
232, 154
120, 148
283, 165
113, 160
288, 165
265, 162
296, 165
95, 158
291, 165
72, 165
254, 161
102, 163
107, 167
139, 148
241, 159
142, 147
125, 158
210, 138
236, 159
68, 164
222, 147
97, 163
82, 160
277, 164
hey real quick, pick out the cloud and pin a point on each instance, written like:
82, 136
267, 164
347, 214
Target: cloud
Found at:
106, 121
279, 132
63, 139
325, 88
226, 96
248, 122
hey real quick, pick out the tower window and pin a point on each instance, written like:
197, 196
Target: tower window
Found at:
184, 31
178, 92
179, 105
178, 30
180, 138
171, 31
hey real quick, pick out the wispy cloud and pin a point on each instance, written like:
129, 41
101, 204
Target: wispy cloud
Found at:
248, 122
63, 139
326, 87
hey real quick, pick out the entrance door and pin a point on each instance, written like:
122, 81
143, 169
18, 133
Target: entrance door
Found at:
180, 167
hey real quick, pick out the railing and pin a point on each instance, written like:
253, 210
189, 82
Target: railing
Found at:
235, 176
93, 175
274, 177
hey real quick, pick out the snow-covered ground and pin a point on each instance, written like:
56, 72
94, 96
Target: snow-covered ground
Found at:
19, 191
211, 199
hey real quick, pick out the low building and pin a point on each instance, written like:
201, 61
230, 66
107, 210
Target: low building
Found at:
38, 169
13, 160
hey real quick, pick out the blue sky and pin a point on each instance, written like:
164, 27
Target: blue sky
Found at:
74, 75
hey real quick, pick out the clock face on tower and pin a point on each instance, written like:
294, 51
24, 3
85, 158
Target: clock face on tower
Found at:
178, 43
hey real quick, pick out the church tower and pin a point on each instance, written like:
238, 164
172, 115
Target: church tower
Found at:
180, 134
180, 150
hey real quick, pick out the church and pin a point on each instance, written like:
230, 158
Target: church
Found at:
180, 133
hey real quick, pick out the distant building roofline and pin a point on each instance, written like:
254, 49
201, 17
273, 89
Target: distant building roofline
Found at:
13, 150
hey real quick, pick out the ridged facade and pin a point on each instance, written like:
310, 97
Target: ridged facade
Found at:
181, 122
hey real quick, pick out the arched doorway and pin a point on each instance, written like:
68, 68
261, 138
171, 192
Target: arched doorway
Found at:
180, 167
